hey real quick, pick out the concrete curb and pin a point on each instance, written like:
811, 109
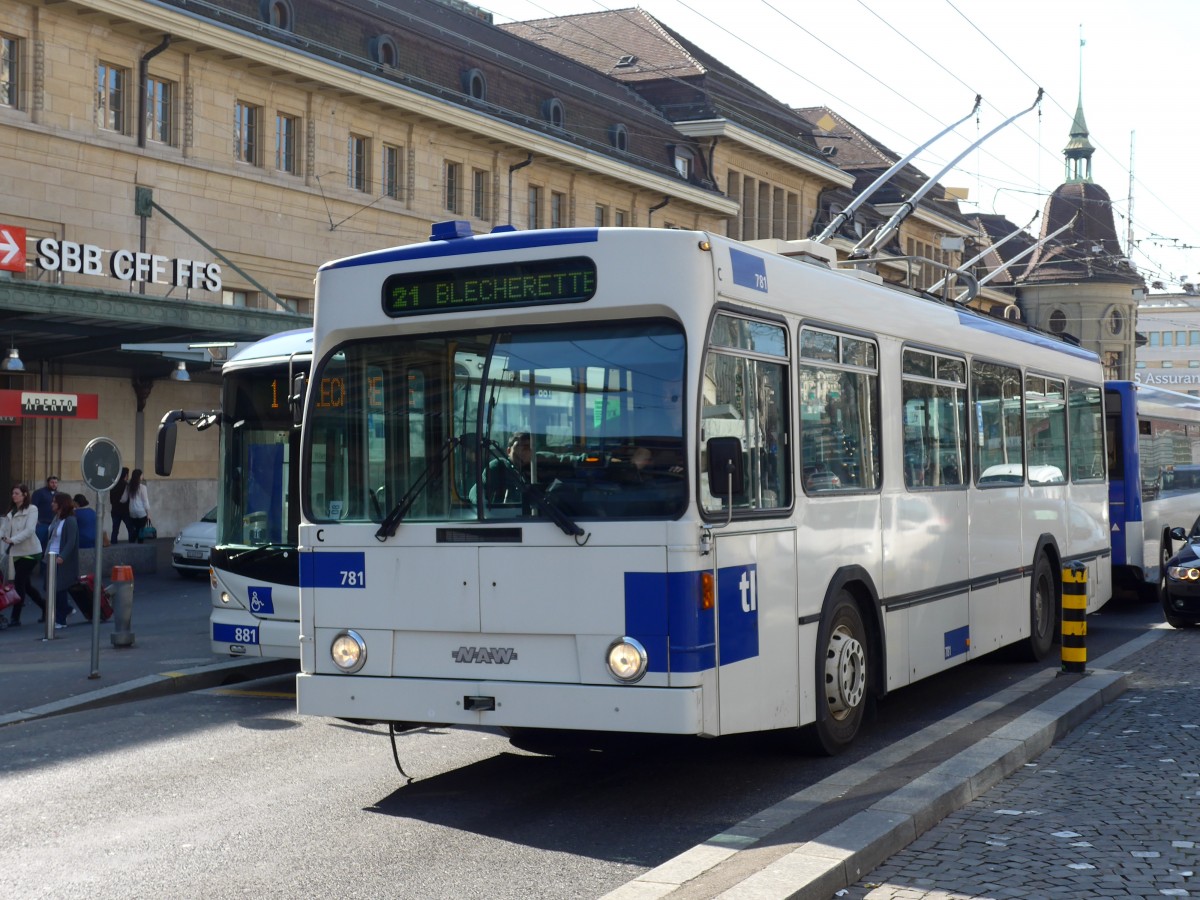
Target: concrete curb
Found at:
159, 685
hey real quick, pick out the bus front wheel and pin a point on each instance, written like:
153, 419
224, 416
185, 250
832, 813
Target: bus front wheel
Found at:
844, 679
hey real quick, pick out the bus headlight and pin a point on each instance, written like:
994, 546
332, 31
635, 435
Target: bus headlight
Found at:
626, 660
349, 651
1184, 573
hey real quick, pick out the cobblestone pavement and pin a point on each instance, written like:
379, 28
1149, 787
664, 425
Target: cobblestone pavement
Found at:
1111, 811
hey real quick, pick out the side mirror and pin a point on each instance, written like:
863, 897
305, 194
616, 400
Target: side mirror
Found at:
296, 397
726, 470
164, 443
1179, 534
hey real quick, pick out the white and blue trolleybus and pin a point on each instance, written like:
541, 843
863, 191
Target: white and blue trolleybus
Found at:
660, 481
253, 568
1154, 479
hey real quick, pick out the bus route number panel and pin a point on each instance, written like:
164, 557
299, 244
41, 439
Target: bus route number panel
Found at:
571, 280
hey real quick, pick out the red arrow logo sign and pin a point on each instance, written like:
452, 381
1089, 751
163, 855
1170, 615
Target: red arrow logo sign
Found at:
12, 248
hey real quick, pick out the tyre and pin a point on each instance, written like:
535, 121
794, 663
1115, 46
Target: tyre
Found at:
844, 679
1176, 622
1044, 604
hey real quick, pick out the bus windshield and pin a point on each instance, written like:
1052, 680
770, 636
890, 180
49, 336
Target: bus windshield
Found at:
259, 449
492, 425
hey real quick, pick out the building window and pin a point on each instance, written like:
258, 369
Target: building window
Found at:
558, 204
618, 136
356, 162
554, 112
1181, 339
383, 51
683, 162
234, 298
246, 121
474, 84
480, 206
535, 206
601, 216
393, 171
1168, 339
1168, 364
1058, 321
10, 71
160, 120
287, 131
1155, 339
278, 14
453, 187
111, 87
619, 218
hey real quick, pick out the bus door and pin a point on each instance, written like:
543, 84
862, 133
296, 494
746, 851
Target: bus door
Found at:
745, 405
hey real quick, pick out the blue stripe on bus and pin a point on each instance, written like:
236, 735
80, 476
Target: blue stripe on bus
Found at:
1016, 333
662, 611
333, 570
957, 641
480, 243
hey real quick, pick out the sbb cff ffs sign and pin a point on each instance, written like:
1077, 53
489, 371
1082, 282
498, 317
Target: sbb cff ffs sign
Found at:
45, 405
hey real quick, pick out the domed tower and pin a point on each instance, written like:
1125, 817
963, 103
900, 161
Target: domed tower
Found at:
1081, 283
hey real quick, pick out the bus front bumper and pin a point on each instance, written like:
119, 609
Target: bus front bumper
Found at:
496, 704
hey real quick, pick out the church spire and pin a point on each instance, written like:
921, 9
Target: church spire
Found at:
1079, 149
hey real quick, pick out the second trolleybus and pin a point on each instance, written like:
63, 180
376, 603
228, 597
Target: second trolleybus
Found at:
1154, 479
254, 569
634, 480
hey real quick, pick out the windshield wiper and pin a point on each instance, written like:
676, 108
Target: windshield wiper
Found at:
261, 550
431, 472
533, 493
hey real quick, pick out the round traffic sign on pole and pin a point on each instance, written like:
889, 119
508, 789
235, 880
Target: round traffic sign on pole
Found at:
101, 464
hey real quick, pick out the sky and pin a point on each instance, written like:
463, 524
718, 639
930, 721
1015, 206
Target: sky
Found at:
902, 70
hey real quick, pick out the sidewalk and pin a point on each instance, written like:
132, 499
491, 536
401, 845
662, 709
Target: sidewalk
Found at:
171, 652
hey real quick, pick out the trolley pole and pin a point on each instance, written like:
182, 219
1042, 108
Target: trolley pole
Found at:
1074, 617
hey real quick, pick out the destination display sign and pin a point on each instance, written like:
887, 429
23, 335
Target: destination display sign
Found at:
571, 280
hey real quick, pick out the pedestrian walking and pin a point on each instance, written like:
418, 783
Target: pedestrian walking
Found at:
120, 505
18, 535
139, 505
62, 552
42, 498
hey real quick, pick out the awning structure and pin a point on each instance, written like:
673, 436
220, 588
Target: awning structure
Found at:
83, 328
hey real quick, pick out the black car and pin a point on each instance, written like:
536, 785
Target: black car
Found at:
1181, 599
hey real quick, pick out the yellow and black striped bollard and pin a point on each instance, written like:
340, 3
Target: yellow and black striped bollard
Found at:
1074, 617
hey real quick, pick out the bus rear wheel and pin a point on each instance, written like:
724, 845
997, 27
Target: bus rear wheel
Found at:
844, 679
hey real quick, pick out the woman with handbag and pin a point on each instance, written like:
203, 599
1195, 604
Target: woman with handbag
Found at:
139, 505
62, 552
18, 535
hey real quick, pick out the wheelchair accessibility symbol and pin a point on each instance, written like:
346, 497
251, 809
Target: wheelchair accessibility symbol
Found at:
260, 601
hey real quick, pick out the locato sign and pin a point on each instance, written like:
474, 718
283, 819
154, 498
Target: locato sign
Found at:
54, 255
